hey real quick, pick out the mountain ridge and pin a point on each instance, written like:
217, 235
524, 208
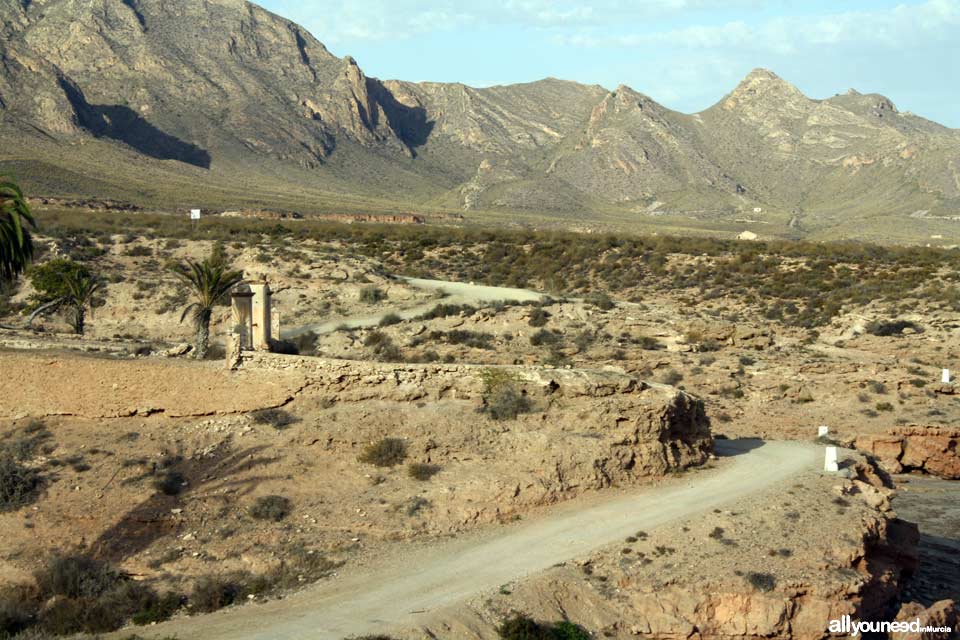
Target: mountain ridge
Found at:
226, 87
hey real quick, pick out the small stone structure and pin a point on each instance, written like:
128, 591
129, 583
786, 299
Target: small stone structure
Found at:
254, 322
823, 431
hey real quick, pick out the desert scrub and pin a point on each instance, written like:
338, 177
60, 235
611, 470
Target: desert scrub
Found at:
372, 295
387, 452
538, 317
276, 418
761, 581
503, 399
80, 594
18, 484
272, 507
522, 627
422, 471
389, 320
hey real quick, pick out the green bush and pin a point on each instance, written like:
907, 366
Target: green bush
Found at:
387, 452
272, 507
503, 399
521, 627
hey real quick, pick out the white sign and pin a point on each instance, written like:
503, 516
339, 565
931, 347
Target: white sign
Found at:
946, 376
194, 214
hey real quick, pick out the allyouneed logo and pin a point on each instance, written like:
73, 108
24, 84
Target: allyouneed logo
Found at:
846, 624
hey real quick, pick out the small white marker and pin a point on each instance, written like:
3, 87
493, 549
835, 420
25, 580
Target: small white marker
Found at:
946, 376
822, 431
831, 463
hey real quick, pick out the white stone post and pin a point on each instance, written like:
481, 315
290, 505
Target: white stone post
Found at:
822, 431
831, 462
946, 376
262, 334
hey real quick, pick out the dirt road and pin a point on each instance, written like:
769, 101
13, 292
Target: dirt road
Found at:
408, 588
456, 293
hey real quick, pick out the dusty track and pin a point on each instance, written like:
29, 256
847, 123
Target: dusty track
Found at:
456, 293
407, 589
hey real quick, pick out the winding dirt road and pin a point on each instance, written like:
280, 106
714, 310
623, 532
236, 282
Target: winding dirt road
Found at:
456, 293
404, 590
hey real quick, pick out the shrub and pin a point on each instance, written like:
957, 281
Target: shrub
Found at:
212, 593
502, 397
76, 576
884, 406
170, 483
18, 484
761, 581
273, 507
387, 452
276, 418
544, 337
521, 627
671, 377
389, 320
372, 295
601, 301
421, 471
447, 310
892, 328
538, 317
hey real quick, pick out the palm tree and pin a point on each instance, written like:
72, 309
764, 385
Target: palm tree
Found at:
210, 282
16, 244
82, 289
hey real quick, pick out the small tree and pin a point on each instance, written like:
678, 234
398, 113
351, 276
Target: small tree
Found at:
16, 244
69, 285
210, 282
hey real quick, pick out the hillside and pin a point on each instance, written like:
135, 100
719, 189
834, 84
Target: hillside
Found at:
222, 104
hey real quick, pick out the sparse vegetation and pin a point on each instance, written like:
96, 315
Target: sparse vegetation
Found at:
503, 399
761, 581
279, 419
422, 471
372, 295
272, 507
387, 452
522, 627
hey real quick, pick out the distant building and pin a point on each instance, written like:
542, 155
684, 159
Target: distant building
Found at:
747, 235
758, 209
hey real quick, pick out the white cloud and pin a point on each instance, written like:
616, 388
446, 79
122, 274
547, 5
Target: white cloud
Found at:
338, 21
900, 26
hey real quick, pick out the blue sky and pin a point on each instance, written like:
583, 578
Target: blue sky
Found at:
686, 54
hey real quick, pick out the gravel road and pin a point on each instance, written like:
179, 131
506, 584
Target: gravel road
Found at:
410, 585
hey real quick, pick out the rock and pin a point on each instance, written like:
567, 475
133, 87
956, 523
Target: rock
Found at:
940, 614
177, 351
915, 448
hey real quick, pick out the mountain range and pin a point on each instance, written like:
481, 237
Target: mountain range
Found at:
220, 103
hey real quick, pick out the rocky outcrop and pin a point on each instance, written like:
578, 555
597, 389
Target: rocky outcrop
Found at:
625, 428
940, 615
928, 449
